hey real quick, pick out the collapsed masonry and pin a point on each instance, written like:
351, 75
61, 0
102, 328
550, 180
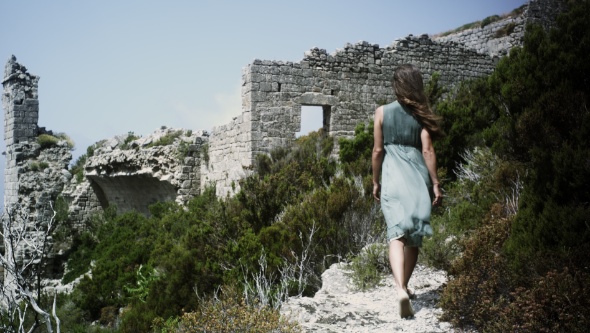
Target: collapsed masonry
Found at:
131, 174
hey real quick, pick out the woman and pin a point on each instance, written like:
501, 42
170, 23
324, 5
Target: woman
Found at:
404, 156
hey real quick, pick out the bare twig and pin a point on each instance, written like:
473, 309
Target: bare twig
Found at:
25, 246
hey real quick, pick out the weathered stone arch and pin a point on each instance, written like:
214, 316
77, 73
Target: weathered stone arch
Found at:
133, 192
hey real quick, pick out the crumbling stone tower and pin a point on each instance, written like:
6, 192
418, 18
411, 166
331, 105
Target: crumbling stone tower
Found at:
34, 175
21, 114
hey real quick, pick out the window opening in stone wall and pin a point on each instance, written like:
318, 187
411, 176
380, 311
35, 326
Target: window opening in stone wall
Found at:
313, 117
279, 87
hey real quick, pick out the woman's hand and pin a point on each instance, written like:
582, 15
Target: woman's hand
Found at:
437, 195
377, 192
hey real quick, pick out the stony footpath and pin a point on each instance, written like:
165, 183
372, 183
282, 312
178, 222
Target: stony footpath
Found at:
338, 307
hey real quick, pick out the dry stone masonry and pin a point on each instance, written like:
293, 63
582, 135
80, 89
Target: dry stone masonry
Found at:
494, 39
348, 85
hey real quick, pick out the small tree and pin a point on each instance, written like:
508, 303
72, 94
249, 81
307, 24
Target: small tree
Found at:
24, 252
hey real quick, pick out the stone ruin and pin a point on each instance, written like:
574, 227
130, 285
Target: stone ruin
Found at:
348, 85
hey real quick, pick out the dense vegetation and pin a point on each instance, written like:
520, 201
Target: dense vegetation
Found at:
519, 207
513, 234
297, 214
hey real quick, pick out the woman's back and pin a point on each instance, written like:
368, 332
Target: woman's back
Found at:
400, 127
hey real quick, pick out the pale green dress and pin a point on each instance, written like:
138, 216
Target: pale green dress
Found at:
406, 188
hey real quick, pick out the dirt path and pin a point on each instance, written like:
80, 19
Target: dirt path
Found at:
337, 307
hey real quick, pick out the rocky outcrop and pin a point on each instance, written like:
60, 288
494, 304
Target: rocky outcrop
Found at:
132, 173
338, 307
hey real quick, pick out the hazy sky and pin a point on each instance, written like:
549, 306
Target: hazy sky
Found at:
116, 66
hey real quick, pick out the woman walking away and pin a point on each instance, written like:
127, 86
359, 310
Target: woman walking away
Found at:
404, 157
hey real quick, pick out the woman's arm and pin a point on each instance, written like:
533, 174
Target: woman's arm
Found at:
378, 152
430, 159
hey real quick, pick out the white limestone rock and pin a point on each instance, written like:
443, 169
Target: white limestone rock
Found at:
338, 307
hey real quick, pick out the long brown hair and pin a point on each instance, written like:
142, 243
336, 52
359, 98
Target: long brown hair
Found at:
409, 90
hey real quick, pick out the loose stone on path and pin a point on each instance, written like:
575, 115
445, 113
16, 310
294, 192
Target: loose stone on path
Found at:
338, 307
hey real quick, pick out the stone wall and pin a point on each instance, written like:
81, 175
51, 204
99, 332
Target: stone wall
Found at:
545, 12
494, 39
348, 84
497, 38
228, 152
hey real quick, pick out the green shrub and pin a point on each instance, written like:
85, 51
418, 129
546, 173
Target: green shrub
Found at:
80, 258
124, 243
527, 272
38, 166
461, 28
355, 153
434, 90
130, 137
47, 141
291, 172
480, 280
66, 138
231, 314
90, 149
556, 302
77, 169
467, 115
489, 19
167, 139
369, 266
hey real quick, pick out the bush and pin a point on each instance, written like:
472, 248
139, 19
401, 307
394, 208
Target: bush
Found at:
38, 166
130, 137
489, 19
77, 169
480, 280
355, 154
47, 141
80, 258
527, 272
167, 139
66, 138
230, 314
369, 266
124, 243
557, 302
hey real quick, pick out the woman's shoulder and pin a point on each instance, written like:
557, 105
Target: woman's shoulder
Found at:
392, 106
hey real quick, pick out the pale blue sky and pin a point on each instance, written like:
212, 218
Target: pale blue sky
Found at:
114, 66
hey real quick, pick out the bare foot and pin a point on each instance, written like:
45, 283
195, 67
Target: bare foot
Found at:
405, 307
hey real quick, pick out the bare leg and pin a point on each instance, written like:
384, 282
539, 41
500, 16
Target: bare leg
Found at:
397, 262
411, 258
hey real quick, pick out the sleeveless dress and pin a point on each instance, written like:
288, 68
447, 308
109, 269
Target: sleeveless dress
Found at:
406, 188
